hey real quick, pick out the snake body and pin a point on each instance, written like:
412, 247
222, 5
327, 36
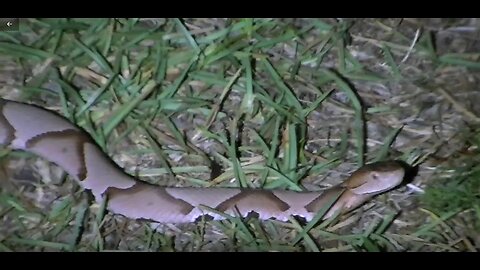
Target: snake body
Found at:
47, 134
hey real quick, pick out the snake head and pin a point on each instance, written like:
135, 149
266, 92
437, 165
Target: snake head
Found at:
376, 178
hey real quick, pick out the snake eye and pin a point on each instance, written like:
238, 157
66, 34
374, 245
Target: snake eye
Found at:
375, 176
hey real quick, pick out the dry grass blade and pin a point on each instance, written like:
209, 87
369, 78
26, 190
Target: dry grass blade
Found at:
459, 107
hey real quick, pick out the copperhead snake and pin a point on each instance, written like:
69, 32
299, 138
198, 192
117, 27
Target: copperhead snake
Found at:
50, 136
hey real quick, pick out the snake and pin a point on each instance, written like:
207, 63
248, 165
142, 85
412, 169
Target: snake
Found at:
49, 135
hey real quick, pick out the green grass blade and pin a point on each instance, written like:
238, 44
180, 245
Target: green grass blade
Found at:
383, 151
97, 57
127, 107
290, 96
391, 62
25, 52
317, 218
